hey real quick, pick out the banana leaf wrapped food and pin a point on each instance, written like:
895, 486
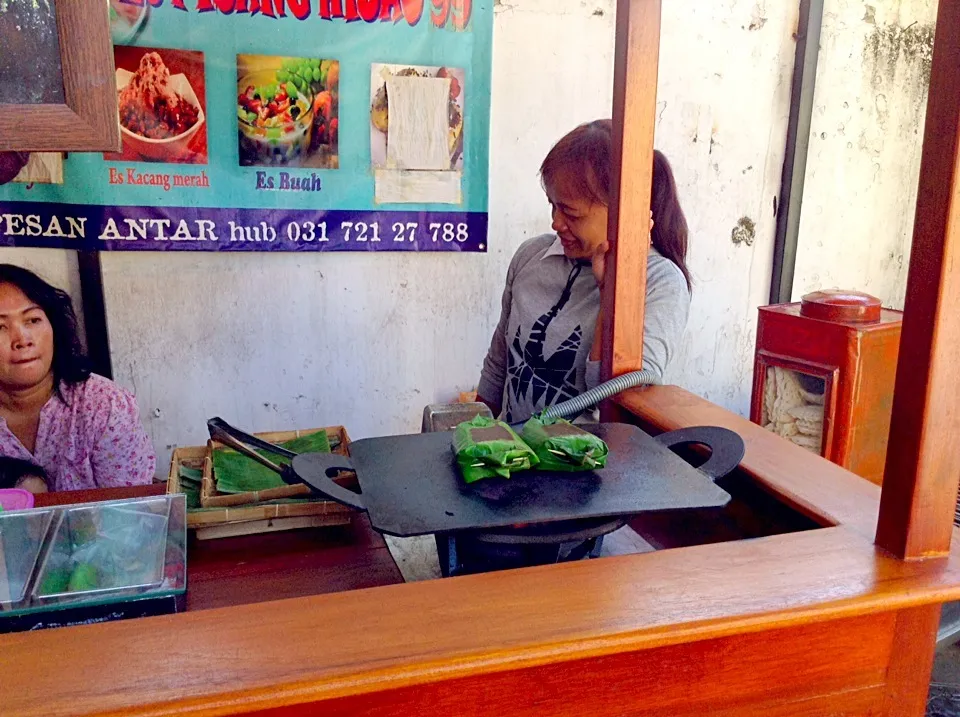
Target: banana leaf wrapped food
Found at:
562, 446
487, 448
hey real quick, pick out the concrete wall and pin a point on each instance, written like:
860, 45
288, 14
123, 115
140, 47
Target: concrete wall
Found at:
275, 341
57, 267
861, 181
725, 78
280, 341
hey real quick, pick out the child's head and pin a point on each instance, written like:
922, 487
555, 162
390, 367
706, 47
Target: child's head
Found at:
18, 473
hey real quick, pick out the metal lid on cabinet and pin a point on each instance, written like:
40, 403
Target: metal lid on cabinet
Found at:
841, 306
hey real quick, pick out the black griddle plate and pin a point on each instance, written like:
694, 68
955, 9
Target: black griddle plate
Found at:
411, 485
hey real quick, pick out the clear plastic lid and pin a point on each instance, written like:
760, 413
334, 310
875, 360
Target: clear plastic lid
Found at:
93, 553
21, 538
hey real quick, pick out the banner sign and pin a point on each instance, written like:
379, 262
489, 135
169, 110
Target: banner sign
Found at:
280, 125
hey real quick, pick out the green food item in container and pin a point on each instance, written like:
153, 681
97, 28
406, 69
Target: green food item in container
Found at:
55, 581
84, 577
562, 446
486, 448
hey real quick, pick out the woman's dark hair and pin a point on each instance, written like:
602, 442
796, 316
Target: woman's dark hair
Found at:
582, 160
13, 470
70, 364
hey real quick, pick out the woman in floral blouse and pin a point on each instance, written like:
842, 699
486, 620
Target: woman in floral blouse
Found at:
82, 429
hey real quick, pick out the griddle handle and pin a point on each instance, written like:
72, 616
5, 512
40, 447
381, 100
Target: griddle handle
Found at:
319, 481
726, 447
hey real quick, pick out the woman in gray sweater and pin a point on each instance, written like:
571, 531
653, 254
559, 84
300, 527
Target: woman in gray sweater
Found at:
546, 347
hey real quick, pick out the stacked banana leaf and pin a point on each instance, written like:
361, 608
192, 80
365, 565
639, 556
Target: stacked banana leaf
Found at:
235, 473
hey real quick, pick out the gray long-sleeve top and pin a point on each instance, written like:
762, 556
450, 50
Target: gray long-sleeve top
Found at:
540, 350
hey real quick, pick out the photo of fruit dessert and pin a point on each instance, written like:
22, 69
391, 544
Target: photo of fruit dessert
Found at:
380, 108
287, 111
161, 105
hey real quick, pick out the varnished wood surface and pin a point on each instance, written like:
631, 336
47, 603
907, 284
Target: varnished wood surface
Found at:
858, 363
911, 661
923, 463
88, 120
634, 118
68, 497
339, 646
764, 674
308, 649
821, 490
277, 566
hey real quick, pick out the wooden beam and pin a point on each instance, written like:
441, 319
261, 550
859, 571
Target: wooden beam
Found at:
923, 463
911, 661
634, 116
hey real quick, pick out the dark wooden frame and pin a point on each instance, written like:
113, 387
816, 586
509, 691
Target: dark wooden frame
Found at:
87, 121
829, 374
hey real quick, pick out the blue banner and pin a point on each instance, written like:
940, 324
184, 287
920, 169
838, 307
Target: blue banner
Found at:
79, 226
280, 125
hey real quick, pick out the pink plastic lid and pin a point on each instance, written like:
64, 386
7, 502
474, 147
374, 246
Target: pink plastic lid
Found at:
15, 499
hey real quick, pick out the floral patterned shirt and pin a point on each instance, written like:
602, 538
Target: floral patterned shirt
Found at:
93, 439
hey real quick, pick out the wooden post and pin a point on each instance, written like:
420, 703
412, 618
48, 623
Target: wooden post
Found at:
923, 459
634, 115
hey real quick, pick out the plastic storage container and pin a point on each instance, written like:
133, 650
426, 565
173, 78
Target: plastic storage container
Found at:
104, 549
72, 556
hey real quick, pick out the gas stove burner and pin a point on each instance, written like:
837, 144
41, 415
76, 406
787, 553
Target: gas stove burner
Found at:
473, 552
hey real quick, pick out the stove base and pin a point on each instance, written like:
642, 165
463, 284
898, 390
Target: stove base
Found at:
546, 544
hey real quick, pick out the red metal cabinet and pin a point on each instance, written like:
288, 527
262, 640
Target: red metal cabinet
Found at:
824, 375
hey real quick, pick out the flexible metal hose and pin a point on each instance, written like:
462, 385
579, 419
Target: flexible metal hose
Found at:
579, 404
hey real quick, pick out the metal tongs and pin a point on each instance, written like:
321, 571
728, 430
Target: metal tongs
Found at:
317, 470
239, 441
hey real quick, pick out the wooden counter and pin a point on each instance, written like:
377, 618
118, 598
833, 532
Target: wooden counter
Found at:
785, 625
275, 566
819, 623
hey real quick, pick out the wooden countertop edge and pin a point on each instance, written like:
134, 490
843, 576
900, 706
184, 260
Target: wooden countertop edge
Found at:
813, 485
392, 677
482, 625
490, 623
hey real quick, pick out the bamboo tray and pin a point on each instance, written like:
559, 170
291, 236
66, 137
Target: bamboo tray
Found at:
220, 509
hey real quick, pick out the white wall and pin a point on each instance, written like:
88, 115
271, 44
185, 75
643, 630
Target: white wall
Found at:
724, 91
861, 182
274, 341
59, 267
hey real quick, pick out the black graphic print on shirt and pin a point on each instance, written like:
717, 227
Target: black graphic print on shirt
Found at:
531, 375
